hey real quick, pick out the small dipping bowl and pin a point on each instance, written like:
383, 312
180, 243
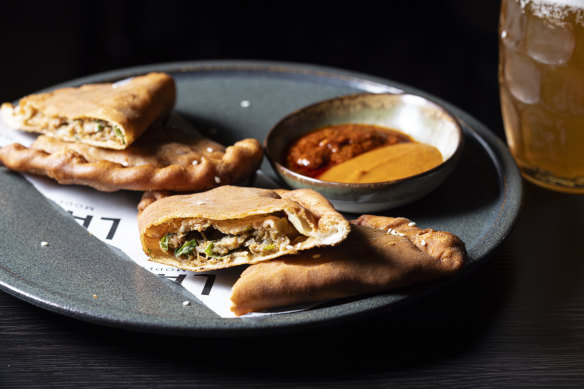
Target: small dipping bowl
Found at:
423, 120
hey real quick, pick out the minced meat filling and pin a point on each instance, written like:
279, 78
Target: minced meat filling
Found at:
87, 128
90, 129
264, 235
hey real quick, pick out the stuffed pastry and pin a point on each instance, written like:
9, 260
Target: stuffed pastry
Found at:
110, 115
170, 156
229, 226
380, 254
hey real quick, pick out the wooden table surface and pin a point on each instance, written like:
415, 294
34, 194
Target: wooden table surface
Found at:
518, 321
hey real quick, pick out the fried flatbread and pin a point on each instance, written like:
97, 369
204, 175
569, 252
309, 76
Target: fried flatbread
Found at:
229, 226
380, 253
110, 115
170, 156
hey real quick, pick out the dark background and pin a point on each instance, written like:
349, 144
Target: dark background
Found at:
447, 48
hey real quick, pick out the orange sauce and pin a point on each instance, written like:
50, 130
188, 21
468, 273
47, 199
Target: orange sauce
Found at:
314, 153
359, 153
385, 164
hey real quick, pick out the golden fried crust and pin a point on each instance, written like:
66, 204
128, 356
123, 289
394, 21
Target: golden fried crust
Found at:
132, 105
315, 218
170, 156
443, 245
150, 197
326, 217
369, 260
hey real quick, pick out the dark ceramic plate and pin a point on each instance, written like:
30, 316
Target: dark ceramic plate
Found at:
479, 202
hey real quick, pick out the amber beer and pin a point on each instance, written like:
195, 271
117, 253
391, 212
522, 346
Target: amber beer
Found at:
541, 74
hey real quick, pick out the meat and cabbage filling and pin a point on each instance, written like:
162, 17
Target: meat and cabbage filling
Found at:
71, 129
97, 130
255, 236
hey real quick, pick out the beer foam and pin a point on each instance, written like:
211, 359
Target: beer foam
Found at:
555, 9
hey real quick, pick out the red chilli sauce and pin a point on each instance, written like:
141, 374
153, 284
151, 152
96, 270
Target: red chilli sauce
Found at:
314, 153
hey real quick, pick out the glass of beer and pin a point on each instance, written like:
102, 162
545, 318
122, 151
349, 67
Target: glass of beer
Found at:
541, 77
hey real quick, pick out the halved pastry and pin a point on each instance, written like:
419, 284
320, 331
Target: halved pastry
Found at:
110, 115
170, 156
229, 226
380, 254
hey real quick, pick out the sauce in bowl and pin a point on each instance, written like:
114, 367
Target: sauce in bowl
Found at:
359, 153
